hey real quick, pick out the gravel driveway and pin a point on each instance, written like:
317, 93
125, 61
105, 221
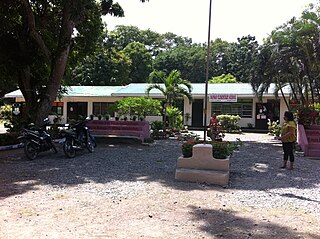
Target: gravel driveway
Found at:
127, 190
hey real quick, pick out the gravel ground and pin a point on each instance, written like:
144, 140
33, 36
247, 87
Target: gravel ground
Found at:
125, 171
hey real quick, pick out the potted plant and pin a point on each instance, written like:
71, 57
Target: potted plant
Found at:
107, 116
221, 149
187, 147
91, 117
99, 117
134, 118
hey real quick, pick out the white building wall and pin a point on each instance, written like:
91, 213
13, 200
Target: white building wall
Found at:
244, 122
90, 101
283, 108
187, 109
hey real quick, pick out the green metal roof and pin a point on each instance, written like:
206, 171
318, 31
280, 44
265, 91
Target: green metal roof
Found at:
136, 89
73, 91
139, 89
92, 90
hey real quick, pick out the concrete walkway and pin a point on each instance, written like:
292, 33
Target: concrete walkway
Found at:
2, 129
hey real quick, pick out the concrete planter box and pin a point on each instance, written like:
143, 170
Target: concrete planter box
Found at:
202, 167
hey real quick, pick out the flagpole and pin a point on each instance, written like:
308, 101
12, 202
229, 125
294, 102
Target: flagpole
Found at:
207, 76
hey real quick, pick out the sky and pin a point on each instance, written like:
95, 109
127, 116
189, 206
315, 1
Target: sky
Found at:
230, 19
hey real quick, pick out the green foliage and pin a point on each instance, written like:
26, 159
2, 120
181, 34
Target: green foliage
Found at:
141, 65
308, 114
223, 79
243, 55
5, 112
122, 36
220, 150
156, 126
294, 60
229, 123
173, 88
139, 106
175, 118
36, 38
189, 60
157, 130
274, 127
105, 68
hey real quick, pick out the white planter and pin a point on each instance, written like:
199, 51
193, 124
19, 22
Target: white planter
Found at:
203, 167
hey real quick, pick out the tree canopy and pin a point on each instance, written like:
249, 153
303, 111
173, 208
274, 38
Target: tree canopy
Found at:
36, 38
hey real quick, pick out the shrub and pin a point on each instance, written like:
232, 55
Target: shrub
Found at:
309, 114
157, 130
9, 139
274, 127
229, 123
175, 118
156, 125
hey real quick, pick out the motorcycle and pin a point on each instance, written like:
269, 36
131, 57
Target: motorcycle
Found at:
76, 138
36, 140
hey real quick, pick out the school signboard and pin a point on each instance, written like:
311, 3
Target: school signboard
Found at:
222, 98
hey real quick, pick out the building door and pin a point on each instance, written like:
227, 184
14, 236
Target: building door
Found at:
261, 116
76, 110
273, 110
267, 111
197, 113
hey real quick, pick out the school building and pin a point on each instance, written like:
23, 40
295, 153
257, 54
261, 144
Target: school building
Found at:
228, 98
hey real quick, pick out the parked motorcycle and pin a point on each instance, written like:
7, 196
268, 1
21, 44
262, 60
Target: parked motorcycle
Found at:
78, 137
36, 140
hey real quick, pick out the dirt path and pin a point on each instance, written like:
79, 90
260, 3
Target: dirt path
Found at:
49, 198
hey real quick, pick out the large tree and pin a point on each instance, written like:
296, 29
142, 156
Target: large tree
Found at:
141, 62
36, 38
103, 68
293, 50
189, 60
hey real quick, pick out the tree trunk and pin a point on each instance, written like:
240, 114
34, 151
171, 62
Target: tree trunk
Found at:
59, 63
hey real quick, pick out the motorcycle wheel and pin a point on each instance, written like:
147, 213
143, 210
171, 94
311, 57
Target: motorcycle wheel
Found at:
90, 145
68, 149
53, 147
93, 140
30, 150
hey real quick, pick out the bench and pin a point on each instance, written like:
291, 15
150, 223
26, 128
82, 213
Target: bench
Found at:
113, 128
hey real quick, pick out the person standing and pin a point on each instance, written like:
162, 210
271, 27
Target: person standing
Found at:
213, 122
288, 138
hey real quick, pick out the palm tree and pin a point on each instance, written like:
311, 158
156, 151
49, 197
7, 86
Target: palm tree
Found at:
171, 87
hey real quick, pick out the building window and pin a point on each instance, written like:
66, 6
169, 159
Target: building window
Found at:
57, 108
101, 108
243, 108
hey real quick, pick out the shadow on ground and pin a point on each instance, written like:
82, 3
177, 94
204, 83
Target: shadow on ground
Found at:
130, 161
235, 226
